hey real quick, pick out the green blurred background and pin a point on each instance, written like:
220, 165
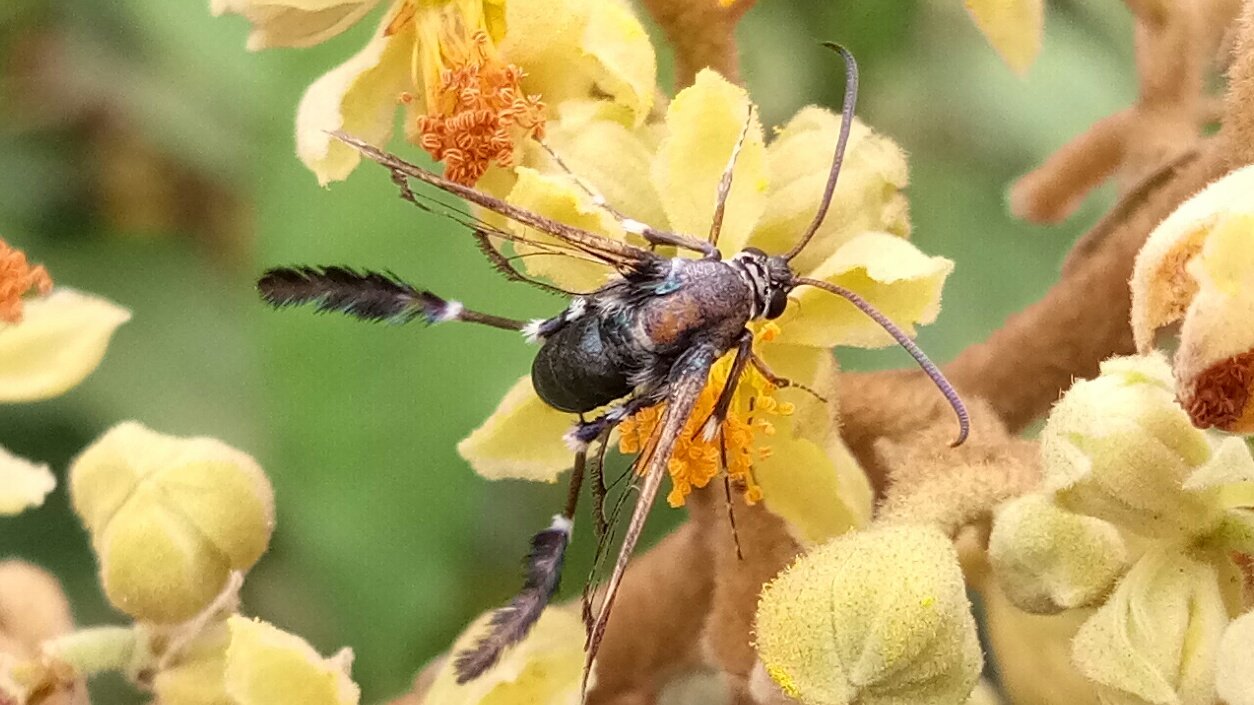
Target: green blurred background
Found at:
146, 156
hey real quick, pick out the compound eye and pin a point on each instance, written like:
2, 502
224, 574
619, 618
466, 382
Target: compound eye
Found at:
779, 302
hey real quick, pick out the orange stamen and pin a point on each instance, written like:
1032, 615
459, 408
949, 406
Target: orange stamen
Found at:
17, 278
695, 461
477, 114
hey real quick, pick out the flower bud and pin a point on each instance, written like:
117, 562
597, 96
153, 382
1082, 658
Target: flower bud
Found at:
545, 667
267, 666
1156, 638
1120, 448
874, 617
1048, 559
170, 518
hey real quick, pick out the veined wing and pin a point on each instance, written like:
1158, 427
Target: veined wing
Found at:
615, 253
688, 379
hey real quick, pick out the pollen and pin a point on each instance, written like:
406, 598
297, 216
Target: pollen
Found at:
696, 461
474, 110
17, 278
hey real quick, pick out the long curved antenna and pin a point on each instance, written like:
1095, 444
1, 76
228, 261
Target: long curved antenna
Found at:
846, 122
951, 395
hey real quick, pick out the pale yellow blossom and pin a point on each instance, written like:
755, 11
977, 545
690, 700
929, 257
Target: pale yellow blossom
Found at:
267, 666
1012, 27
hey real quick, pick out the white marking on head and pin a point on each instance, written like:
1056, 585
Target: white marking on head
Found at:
452, 311
562, 524
576, 309
531, 331
634, 227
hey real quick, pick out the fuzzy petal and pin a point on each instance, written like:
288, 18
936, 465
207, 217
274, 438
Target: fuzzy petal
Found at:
23, 484
358, 97
1012, 27
1235, 669
267, 666
624, 54
816, 486
294, 23
522, 439
1156, 640
1162, 288
545, 667
61, 339
608, 156
890, 273
868, 193
559, 198
704, 122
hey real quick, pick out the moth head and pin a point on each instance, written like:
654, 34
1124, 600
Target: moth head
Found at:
772, 279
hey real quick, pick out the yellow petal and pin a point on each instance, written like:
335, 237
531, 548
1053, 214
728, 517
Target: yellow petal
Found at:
1012, 27
196, 675
62, 337
23, 484
868, 193
816, 486
1156, 639
889, 272
627, 65
170, 518
608, 156
703, 123
1048, 559
1119, 448
358, 97
545, 667
1162, 287
558, 197
1234, 672
875, 617
267, 666
522, 439
294, 23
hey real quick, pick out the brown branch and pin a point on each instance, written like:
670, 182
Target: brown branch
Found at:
702, 33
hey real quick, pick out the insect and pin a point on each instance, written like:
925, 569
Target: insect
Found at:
649, 336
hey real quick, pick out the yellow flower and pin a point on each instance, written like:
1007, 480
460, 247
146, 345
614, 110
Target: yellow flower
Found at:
545, 667
268, 666
667, 175
1124, 467
875, 617
170, 518
471, 73
50, 340
1234, 675
1197, 266
1012, 27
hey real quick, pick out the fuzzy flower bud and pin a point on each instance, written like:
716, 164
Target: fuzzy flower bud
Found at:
170, 518
1156, 640
1120, 448
23, 484
1048, 559
267, 666
873, 617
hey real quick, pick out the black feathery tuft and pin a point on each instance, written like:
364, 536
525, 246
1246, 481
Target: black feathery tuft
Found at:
370, 296
512, 622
